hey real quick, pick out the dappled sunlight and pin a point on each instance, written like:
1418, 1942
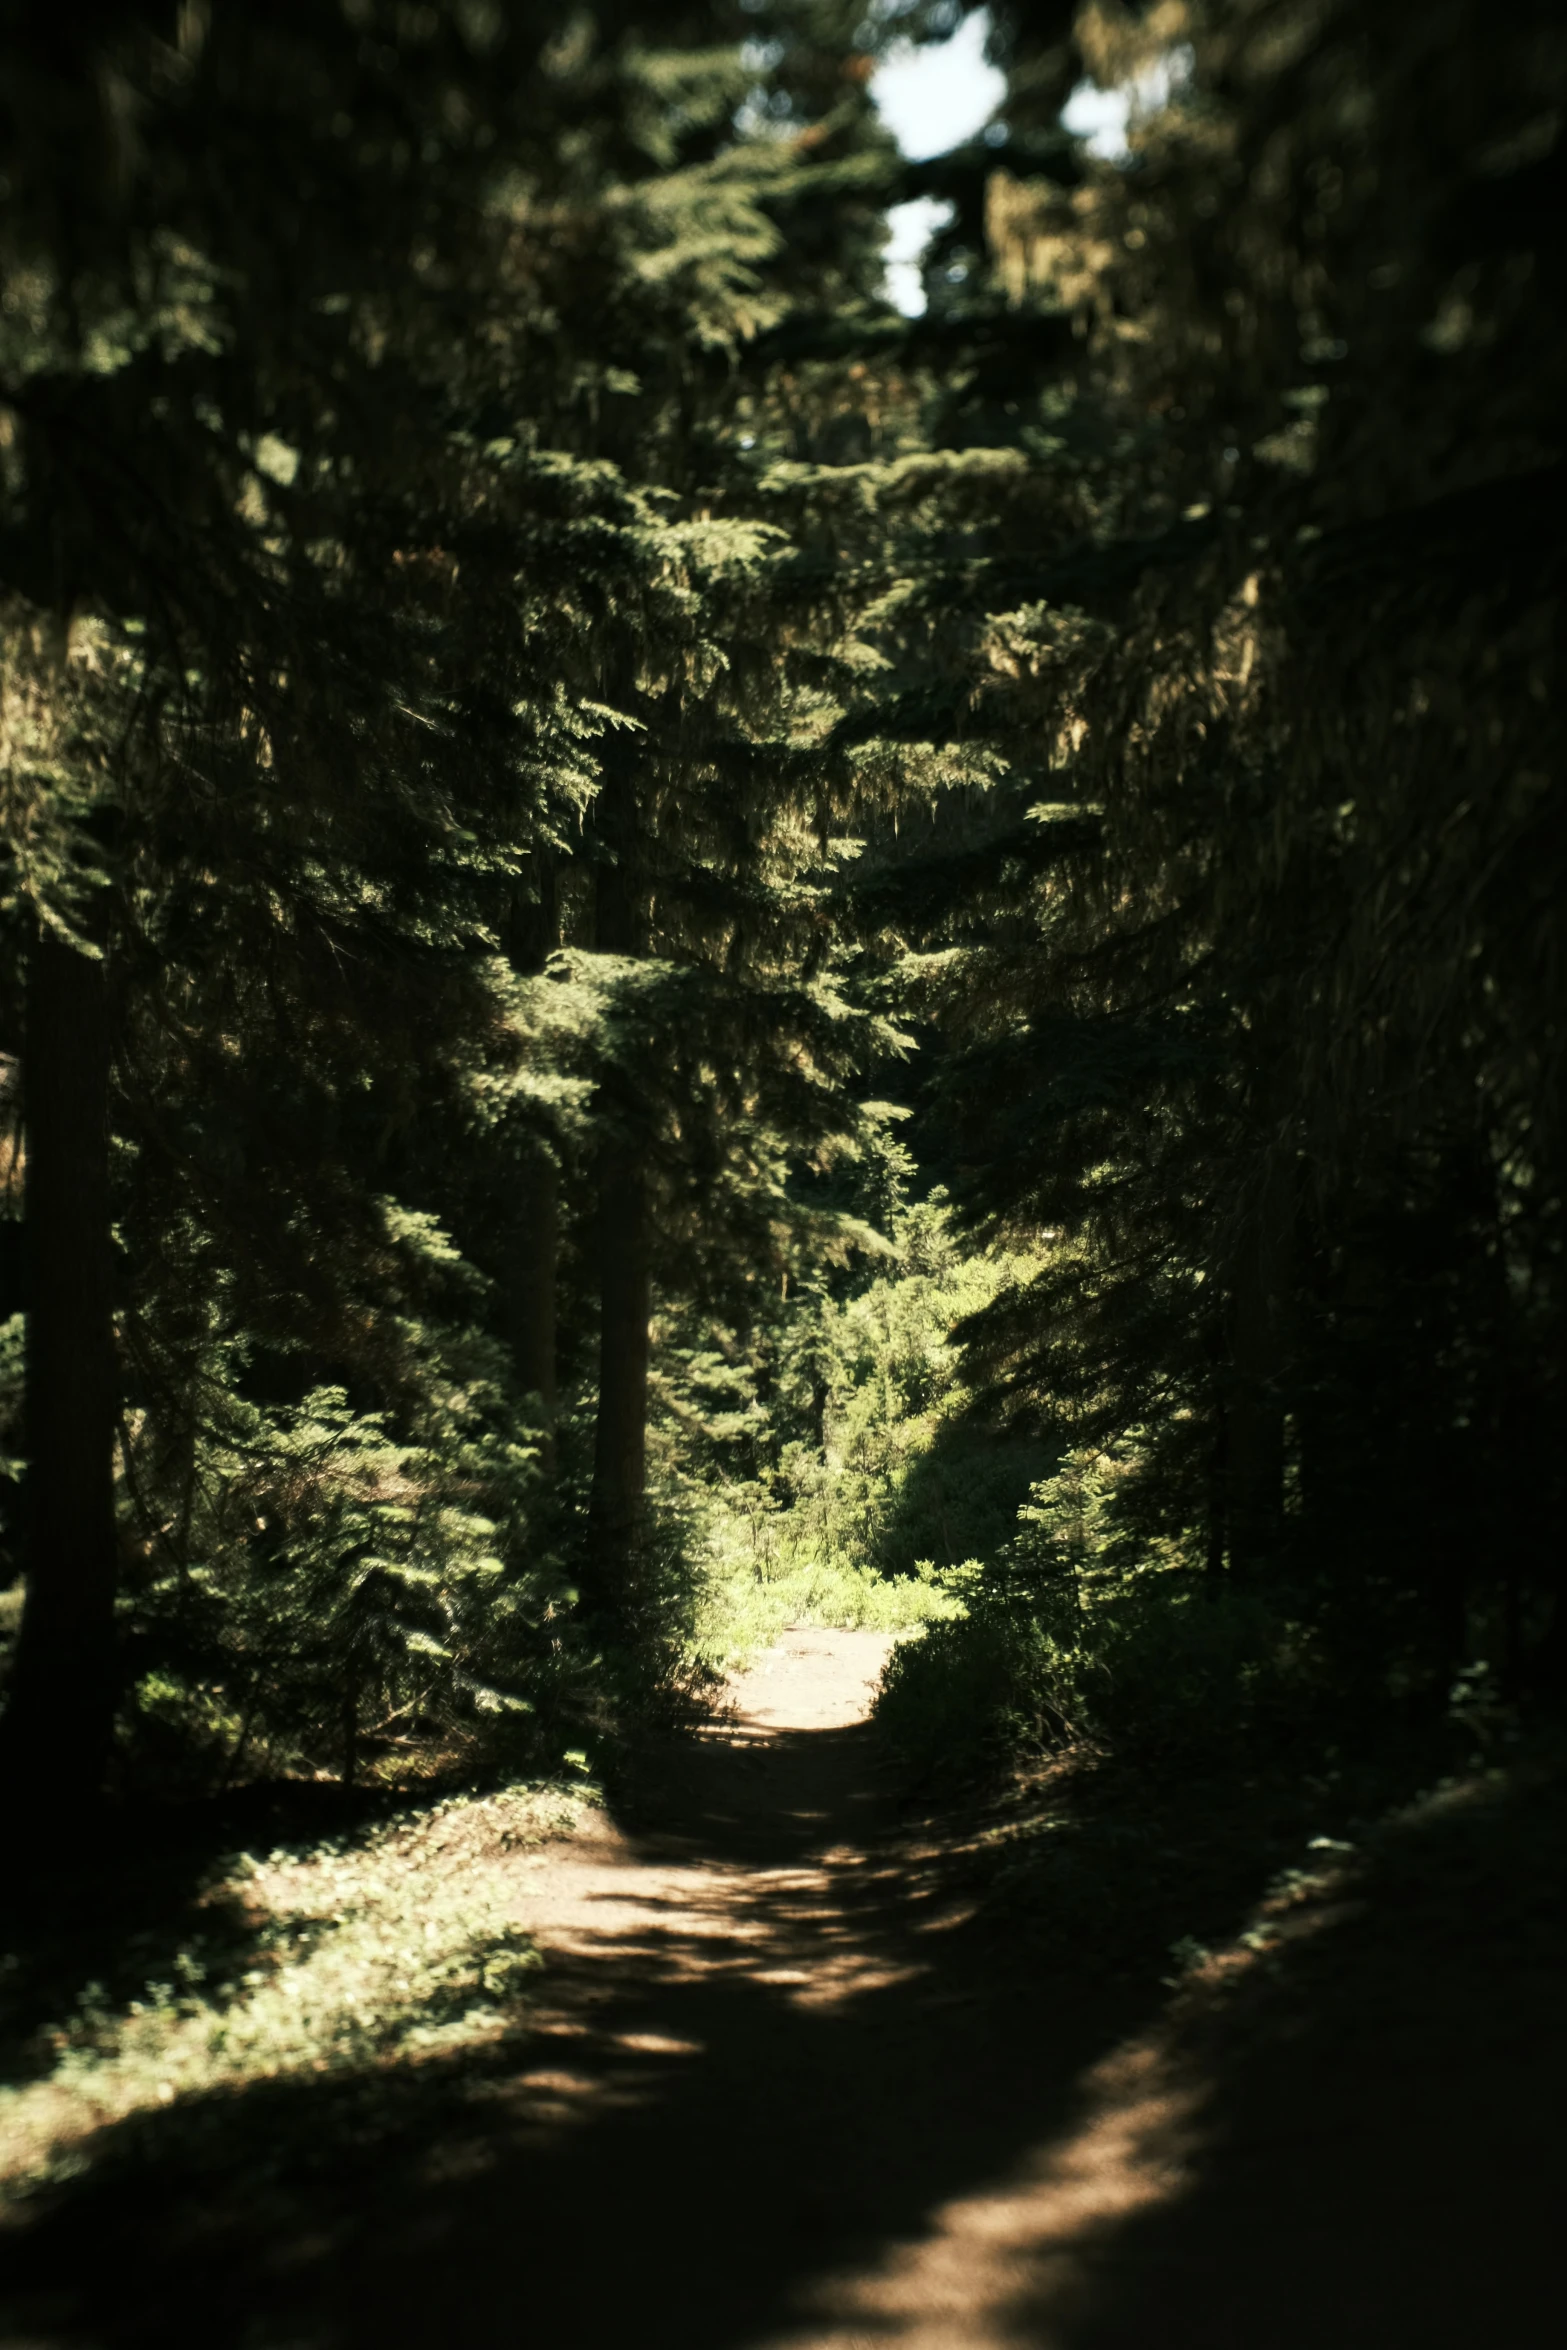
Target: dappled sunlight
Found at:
778, 2083
391, 1948
735, 1991
812, 1928
1023, 2250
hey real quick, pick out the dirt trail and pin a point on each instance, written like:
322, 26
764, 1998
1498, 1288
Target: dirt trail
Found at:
777, 1865
787, 2093
762, 1809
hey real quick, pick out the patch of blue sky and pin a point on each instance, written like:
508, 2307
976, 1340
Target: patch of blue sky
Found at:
931, 99
935, 98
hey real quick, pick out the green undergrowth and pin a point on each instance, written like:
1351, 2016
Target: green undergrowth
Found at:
355, 1955
1089, 1628
1158, 1670
748, 1603
832, 1469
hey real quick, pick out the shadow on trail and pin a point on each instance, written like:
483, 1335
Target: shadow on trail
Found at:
771, 2073
1374, 2154
798, 2095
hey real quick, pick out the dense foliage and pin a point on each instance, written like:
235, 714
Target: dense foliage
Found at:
1253, 994
531, 702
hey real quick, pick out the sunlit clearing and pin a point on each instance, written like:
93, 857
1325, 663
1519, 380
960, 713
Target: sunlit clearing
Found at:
760, 1586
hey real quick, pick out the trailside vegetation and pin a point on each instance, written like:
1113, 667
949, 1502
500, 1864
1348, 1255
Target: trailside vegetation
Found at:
1249, 992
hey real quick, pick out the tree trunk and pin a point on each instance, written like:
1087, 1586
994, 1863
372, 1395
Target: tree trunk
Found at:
532, 1268
60, 1714
1216, 1521
624, 1246
530, 1295
620, 1432
1254, 1431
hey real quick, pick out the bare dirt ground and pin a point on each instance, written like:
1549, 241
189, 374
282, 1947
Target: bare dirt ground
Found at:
787, 2091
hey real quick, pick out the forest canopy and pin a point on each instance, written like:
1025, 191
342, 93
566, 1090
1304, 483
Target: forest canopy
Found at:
665, 929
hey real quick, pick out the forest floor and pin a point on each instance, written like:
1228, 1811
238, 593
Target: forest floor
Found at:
809, 2066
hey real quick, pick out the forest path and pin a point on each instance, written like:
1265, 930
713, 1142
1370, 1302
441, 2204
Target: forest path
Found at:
768, 2042
782, 2089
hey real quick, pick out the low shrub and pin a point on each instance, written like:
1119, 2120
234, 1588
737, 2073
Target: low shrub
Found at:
1159, 1669
747, 1606
359, 1956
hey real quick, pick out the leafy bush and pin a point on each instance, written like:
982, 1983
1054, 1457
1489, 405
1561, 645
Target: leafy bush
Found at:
320, 1585
1071, 1635
745, 1608
872, 1495
1159, 1670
